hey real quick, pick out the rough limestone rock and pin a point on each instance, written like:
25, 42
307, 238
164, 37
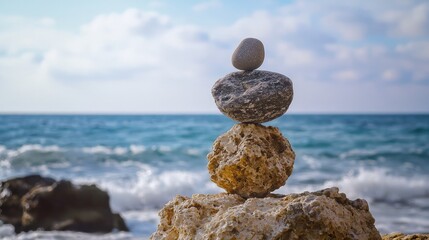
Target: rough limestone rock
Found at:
35, 202
251, 160
249, 55
401, 236
253, 97
326, 214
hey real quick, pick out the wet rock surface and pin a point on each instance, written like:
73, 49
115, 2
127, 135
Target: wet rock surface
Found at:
251, 160
34, 202
326, 214
253, 97
11, 193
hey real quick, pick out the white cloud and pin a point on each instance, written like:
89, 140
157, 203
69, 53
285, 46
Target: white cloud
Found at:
346, 75
409, 20
49, 22
390, 75
418, 49
19, 34
138, 61
346, 27
131, 45
207, 5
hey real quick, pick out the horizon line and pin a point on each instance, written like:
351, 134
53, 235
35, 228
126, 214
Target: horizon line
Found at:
203, 113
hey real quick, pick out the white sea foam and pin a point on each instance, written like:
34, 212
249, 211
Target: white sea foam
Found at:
381, 185
105, 150
133, 149
98, 149
2, 149
357, 152
38, 147
312, 162
193, 152
6, 231
375, 185
163, 149
151, 189
30, 147
5, 163
136, 149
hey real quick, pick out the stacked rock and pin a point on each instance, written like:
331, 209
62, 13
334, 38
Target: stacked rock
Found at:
251, 160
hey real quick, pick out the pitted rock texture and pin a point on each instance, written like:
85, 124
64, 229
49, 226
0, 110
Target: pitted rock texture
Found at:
249, 55
251, 160
253, 97
401, 236
322, 215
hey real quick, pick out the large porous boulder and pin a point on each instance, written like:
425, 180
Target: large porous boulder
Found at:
401, 236
251, 160
253, 96
322, 215
43, 203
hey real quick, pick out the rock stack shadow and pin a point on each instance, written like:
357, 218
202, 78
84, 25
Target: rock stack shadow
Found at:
252, 160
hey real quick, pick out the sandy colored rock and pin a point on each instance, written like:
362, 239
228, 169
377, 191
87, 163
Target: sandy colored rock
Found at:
401, 236
253, 97
326, 214
249, 54
251, 160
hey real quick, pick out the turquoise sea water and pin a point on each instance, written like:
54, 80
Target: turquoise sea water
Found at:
144, 161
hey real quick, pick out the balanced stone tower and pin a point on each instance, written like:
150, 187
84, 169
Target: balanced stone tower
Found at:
252, 160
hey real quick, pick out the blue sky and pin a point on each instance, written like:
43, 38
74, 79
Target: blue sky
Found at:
111, 56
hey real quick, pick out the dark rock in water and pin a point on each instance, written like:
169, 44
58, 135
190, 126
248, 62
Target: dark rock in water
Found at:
11, 193
50, 205
253, 97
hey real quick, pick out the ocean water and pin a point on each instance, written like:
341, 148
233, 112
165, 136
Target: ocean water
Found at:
144, 161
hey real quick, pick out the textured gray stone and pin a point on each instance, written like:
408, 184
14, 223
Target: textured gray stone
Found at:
253, 97
249, 55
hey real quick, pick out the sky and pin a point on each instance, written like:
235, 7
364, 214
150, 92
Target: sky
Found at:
156, 56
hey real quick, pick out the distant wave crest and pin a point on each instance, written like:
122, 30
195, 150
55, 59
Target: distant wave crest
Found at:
382, 185
30, 152
152, 188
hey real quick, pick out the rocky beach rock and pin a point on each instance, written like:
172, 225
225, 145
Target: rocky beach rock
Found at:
251, 160
326, 214
401, 236
253, 97
34, 202
11, 193
249, 55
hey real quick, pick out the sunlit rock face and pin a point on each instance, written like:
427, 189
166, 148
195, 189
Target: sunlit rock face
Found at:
326, 214
251, 160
